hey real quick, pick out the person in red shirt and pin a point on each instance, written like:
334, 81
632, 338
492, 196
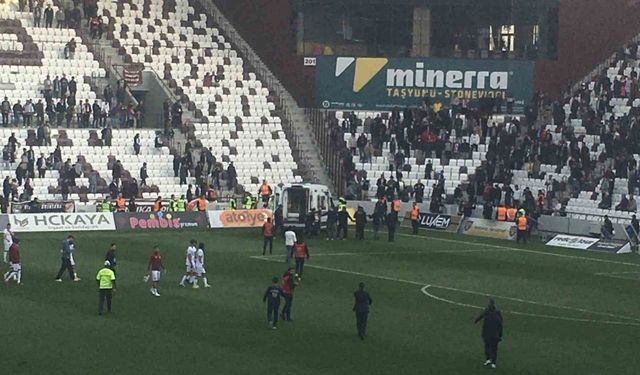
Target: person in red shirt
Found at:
300, 252
15, 272
267, 232
154, 268
289, 283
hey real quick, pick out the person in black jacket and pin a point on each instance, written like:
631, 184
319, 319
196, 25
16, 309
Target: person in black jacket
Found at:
361, 222
361, 308
378, 216
332, 218
392, 221
343, 217
491, 332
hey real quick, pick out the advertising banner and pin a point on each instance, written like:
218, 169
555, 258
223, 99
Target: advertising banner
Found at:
434, 221
611, 247
572, 242
42, 207
160, 220
380, 83
488, 228
238, 218
62, 222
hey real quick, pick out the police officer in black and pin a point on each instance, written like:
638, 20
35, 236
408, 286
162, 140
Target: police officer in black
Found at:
361, 222
332, 218
392, 221
361, 308
272, 296
418, 192
343, 217
491, 332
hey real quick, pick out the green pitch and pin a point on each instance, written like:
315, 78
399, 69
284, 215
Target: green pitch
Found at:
565, 311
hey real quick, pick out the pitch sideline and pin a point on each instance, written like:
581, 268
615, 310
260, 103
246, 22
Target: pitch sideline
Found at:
425, 286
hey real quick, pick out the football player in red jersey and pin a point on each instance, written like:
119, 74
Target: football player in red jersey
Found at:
15, 272
155, 267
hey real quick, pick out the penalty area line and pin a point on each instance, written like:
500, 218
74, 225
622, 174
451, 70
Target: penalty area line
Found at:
424, 288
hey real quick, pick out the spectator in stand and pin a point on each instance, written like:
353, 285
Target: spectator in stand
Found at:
606, 230
143, 175
605, 203
5, 109
231, 176
136, 144
17, 113
48, 16
113, 189
93, 181
623, 205
60, 18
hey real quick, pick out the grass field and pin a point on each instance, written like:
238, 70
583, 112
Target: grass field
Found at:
565, 311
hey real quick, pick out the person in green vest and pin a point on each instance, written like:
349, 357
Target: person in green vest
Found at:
248, 203
232, 203
106, 280
106, 205
342, 203
181, 204
173, 204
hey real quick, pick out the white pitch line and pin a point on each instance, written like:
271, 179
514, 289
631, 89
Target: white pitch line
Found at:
614, 273
417, 252
522, 250
424, 287
556, 317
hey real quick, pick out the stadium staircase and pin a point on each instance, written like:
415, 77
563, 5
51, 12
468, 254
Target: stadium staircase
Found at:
297, 124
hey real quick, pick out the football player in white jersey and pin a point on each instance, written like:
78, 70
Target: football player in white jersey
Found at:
7, 238
200, 271
190, 274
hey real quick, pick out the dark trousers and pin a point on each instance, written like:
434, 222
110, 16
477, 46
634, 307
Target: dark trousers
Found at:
414, 226
66, 266
491, 350
359, 232
41, 173
521, 235
376, 230
299, 265
331, 231
272, 313
104, 295
392, 234
361, 323
267, 240
342, 230
286, 310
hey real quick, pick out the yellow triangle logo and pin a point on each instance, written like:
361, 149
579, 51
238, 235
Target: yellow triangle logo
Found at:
366, 69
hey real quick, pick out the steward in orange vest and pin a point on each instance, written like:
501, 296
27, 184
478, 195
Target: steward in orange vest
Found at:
300, 252
511, 214
521, 223
501, 213
415, 218
267, 233
202, 204
265, 191
121, 204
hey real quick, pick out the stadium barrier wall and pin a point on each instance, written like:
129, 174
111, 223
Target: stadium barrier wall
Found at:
139, 221
488, 228
62, 222
552, 225
238, 218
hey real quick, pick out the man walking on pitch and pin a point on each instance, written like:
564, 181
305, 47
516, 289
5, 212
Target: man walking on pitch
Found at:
190, 265
361, 308
267, 233
491, 332
272, 296
290, 240
288, 285
15, 272
201, 273
111, 256
415, 218
106, 280
301, 252
7, 239
155, 268
67, 263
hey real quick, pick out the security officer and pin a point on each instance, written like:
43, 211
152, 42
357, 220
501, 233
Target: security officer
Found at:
181, 205
106, 205
272, 296
361, 222
121, 204
232, 204
511, 214
343, 217
265, 192
361, 308
392, 221
106, 279
521, 224
173, 204
332, 218
342, 203
378, 216
415, 218
491, 332
248, 203
501, 213
418, 191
